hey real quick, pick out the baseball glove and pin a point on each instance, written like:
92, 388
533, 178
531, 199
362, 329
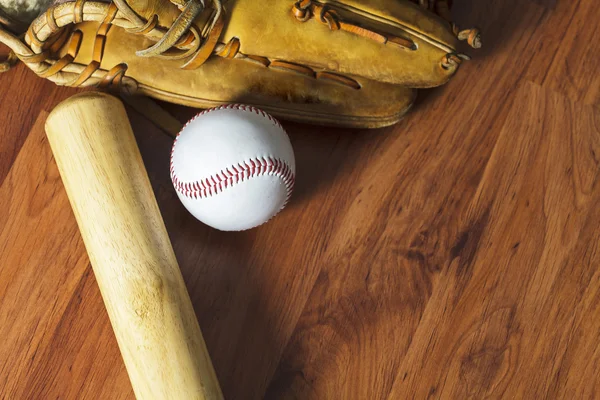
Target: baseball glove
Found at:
352, 63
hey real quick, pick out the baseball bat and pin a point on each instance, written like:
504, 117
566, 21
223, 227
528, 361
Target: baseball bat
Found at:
142, 287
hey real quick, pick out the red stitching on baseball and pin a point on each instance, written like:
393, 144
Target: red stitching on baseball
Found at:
254, 167
250, 169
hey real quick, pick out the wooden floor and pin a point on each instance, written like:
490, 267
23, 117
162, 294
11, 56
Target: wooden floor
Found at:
455, 255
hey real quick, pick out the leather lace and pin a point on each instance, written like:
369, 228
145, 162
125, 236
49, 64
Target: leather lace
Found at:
182, 26
305, 10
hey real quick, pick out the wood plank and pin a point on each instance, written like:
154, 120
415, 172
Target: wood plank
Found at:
507, 317
392, 211
24, 95
82, 351
400, 204
39, 273
547, 38
454, 255
574, 71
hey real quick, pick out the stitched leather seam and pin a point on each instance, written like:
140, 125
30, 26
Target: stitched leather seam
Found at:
237, 173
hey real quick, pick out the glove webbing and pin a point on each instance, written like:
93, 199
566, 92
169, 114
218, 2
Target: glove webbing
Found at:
111, 77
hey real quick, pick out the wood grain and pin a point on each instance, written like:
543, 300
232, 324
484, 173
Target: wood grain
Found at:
535, 235
454, 255
572, 71
132, 257
24, 96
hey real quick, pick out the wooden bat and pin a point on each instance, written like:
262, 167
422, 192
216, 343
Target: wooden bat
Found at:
130, 251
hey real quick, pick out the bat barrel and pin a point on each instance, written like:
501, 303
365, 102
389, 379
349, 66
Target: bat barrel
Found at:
130, 251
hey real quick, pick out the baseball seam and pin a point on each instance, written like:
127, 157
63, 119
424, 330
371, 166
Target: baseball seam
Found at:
236, 173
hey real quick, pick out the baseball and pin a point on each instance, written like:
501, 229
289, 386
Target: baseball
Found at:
233, 167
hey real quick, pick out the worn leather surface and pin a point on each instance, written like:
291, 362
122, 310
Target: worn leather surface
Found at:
268, 30
235, 81
354, 63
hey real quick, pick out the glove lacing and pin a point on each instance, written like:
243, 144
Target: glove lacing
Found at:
181, 26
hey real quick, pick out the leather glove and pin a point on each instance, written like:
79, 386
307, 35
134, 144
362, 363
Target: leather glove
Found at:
354, 63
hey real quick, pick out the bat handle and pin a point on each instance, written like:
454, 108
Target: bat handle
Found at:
129, 249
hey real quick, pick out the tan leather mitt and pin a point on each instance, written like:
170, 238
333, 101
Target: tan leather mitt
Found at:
352, 63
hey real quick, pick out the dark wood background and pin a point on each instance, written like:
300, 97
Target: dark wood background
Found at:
454, 255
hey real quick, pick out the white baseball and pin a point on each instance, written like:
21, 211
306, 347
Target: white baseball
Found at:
233, 167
